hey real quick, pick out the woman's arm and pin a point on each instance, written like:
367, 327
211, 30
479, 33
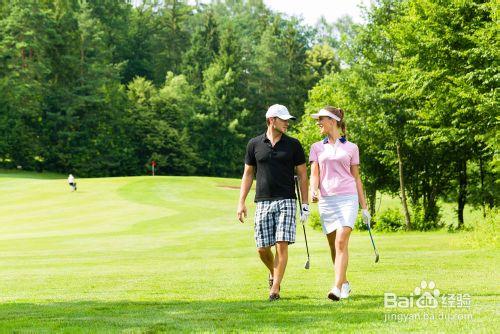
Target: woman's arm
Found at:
359, 186
314, 181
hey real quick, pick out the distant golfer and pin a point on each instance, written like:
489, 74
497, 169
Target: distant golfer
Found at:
335, 171
274, 157
71, 182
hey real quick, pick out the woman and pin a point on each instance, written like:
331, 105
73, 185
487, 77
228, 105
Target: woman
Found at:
335, 171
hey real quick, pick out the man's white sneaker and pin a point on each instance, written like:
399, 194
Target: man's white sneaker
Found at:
345, 290
334, 294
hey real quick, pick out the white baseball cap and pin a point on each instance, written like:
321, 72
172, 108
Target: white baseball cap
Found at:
278, 110
324, 112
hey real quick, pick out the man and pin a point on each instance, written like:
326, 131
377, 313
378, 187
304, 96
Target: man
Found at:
274, 156
71, 182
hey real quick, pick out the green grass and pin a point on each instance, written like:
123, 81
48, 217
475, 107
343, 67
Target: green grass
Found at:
165, 254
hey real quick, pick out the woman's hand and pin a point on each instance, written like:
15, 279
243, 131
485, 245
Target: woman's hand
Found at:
314, 196
366, 217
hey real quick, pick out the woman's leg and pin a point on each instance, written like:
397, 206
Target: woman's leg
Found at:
331, 242
341, 255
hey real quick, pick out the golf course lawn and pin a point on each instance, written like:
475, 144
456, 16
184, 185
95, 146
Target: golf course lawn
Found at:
166, 254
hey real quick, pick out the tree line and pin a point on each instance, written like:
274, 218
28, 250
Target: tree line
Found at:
102, 88
421, 85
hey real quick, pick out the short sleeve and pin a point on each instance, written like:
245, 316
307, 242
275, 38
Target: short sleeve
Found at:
313, 155
355, 155
299, 156
250, 154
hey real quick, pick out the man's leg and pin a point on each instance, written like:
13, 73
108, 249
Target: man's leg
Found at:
266, 255
276, 258
264, 234
280, 262
285, 234
342, 255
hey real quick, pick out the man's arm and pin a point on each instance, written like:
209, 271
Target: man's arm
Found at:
246, 184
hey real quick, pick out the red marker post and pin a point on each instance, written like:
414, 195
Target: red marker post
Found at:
153, 164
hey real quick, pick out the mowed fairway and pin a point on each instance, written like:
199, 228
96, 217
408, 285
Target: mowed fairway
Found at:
165, 254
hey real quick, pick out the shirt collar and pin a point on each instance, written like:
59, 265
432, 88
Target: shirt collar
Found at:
341, 139
265, 139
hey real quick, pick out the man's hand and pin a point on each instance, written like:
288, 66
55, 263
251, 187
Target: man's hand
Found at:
242, 212
304, 213
366, 216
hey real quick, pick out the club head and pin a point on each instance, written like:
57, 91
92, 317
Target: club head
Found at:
376, 258
306, 266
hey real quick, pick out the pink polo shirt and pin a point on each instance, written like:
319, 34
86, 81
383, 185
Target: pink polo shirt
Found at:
335, 162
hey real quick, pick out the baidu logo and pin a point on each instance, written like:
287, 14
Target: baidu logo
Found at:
424, 296
430, 303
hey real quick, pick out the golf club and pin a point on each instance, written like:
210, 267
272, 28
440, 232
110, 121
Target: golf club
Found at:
306, 266
373, 243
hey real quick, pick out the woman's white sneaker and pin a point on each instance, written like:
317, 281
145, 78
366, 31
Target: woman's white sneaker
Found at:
345, 290
334, 294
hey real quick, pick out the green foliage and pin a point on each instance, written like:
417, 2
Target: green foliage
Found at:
102, 88
152, 121
315, 221
204, 47
171, 36
321, 61
421, 222
24, 66
62, 66
485, 230
359, 224
411, 84
390, 220
141, 44
175, 101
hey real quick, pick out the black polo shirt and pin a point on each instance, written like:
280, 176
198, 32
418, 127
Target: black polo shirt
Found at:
275, 166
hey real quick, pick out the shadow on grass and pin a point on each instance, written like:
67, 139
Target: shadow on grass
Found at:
297, 315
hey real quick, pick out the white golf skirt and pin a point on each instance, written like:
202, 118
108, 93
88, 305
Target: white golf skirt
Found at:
337, 211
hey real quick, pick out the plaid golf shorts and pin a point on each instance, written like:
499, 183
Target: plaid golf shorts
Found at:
275, 221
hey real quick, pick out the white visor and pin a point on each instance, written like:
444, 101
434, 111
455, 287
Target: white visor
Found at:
324, 112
